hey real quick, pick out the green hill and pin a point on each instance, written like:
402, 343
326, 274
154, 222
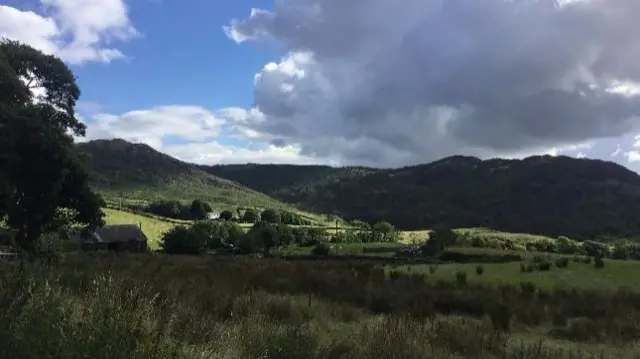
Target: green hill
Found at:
138, 172
582, 198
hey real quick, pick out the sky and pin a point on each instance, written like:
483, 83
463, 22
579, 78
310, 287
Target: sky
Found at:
362, 82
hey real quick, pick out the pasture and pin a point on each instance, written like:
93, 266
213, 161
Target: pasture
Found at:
204, 307
153, 227
614, 275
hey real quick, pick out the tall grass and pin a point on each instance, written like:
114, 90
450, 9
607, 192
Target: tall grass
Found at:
153, 306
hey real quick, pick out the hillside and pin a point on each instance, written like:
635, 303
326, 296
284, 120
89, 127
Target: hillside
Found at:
136, 171
582, 198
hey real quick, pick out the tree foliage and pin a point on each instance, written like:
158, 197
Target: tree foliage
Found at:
593, 198
198, 210
43, 180
226, 215
270, 216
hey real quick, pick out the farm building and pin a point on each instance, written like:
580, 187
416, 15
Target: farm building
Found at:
121, 238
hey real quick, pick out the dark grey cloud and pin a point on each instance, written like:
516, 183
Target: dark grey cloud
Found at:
390, 83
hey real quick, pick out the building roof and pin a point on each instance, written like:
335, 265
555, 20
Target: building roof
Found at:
114, 233
120, 233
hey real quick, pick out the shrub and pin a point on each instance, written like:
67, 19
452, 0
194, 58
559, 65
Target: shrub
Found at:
529, 268
321, 249
480, 269
478, 242
249, 216
384, 232
523, 268
544, 266
198, 210
261, 237
562, 262
620, 252
226, 215
461, 278
182, 240
599, 262
432, 269
270, 216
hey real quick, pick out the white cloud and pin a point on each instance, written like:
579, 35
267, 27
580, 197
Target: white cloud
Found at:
633, 156
636, 144
153, 126
76, 30
193, 134
390, 83
216, 153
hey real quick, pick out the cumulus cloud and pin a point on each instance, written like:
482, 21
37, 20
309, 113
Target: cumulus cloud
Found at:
389, 83
190, 133
153, 126
76, 30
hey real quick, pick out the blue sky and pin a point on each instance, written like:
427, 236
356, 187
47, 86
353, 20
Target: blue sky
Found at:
370, 82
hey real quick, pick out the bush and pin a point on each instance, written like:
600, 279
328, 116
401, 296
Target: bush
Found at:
432, 269
249, 216
270, 216
169, 209
480, 269
523, 268
599, 262
261, 237
182, 240
226, 215
385, 232
562, 262
461, 278
198, 210
321, 249
544, 266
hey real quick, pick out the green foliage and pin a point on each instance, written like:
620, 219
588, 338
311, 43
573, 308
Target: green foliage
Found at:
479, 269
197, 210
262, 237
169, 209
43, 182
201, 236
439, 239
136, 171
384, 232
208, 308
270, 216
598, 262
249, 216
183, 240
465, 192
226, 215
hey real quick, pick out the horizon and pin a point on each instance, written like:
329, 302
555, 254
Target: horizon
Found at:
361, 166
302, 83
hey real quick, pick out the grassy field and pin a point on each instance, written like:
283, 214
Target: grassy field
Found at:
153, 228
614, 275
155, 306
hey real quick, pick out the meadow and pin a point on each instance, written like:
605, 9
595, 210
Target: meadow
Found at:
615, 274
159, 306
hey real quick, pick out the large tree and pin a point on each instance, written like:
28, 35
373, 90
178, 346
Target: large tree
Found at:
43, 181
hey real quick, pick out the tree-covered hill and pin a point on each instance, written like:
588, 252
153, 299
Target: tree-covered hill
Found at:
582, 198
